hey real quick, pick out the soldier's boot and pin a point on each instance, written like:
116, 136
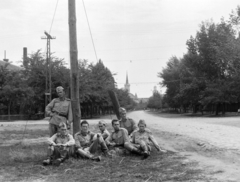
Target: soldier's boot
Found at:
136, 151
97, 159
146, 154
48, 161
62, 158
57, 162
50, 155
106, 153
104, 148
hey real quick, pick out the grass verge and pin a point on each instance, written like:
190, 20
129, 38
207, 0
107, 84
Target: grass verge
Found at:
24, 163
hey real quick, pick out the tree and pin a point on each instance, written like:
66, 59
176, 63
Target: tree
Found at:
95, 81
171, 80
14, 92
35, 75
124, 99
208, 73
155, 101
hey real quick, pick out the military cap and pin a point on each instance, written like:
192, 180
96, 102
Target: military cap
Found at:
102, 122
141, 121
60, 88
122, 110
62, 125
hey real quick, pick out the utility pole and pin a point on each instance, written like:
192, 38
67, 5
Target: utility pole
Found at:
48, 81
74, 75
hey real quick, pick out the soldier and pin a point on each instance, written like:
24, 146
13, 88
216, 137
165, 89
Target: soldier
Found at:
119, 138
142, 139
103, 130
59, 145
59, 110
125, 122
87, 143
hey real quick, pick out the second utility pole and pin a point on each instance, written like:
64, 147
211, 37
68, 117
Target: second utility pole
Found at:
74, 66
48, 84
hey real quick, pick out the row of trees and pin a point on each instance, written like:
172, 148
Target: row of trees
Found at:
208, 75
22, 92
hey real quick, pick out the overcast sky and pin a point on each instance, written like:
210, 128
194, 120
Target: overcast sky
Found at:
134, 36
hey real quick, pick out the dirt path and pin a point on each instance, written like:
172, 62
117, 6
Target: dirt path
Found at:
213, 142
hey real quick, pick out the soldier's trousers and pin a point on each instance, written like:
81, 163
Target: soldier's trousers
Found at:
90, 151
127, 146
98, 141
142, 145
56, 152
53, 129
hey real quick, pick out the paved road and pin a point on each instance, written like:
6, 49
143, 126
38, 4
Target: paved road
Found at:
215, 131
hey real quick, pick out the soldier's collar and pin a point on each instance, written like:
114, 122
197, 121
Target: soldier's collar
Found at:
62, 99
85, 134
116, 131
124, 119
62, 135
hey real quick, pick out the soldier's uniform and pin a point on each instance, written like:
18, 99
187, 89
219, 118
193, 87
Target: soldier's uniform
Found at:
105, 134
143, 140
88, 144
122, 140
62, 113
59, 153
129, 124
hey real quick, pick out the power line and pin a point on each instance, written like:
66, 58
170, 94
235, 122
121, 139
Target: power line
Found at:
136, 48
51, 24
53, 17
90, 30
133, 83
178, 80
11, 35
133, 60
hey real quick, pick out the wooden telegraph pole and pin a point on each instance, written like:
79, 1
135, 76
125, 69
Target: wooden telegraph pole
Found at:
74, 66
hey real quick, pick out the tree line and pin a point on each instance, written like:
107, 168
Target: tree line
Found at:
207, 77
23, 91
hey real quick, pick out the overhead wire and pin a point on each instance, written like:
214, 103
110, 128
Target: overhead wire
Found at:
55, 10
90, 30
53, 17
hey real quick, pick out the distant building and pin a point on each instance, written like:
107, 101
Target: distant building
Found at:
155, 89
127, 85
144, 100
132, 96
10, 66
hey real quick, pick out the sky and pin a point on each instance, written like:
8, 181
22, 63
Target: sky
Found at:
134, 37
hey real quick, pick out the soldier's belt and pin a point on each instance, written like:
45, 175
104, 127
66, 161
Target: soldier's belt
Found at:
119, 145
63, 115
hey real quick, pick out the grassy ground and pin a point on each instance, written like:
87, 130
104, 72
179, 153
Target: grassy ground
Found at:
21, 134
24, 163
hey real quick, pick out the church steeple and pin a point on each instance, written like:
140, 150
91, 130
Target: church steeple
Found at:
127, 85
